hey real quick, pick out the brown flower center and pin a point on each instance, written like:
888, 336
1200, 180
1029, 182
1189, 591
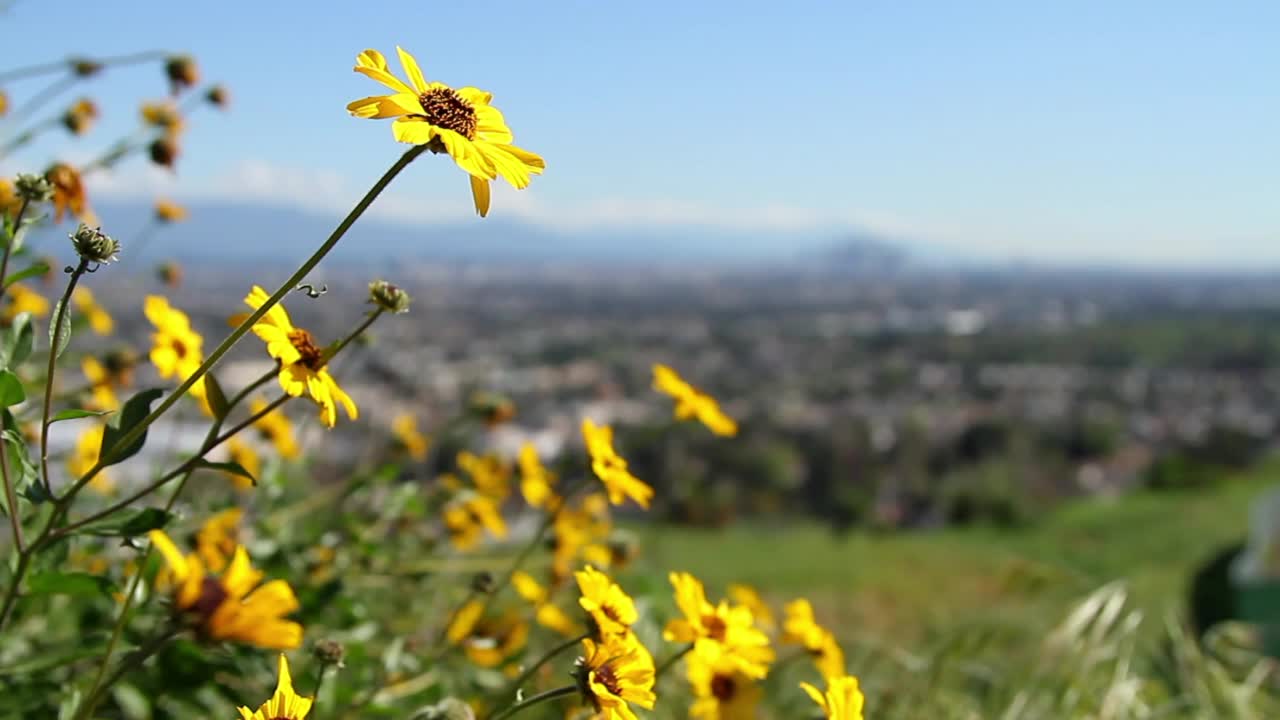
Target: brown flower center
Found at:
444, 108
722, 687
606, 676
179, 347
212, 595
312, 356
715, 627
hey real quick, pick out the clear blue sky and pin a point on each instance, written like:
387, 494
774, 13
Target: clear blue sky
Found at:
1127, 131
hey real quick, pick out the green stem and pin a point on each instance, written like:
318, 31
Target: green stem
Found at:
8, 246
287, 287
52, 67
515, 685
535, 700
55, 337
11, 594
10, 496
671, 661
131, 661
51, 91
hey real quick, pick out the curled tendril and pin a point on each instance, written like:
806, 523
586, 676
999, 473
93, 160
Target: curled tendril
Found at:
311, 290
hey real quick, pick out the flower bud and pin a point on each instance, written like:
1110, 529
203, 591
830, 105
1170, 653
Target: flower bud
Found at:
329, 652
218, 96
389, 297
163, 151
84, 67
94, 245
482, 582
33, 188
182, 72
79, 117
170, 273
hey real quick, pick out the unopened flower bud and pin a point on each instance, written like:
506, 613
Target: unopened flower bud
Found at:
482, 582
329, 652
491, 408
84, 67
170, 273
389, 297
79, 117
94, 245
218, 96
182, 72
163, 151
33, 188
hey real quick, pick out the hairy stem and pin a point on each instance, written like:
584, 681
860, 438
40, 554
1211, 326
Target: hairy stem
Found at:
55, 337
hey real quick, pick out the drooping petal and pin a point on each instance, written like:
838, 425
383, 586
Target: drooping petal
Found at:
412, 70
373, 65
480, 194
491, 126
385, 106
510, 168
466, 154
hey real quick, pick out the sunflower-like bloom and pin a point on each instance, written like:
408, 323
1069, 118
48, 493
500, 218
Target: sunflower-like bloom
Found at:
101, 384
168, 211
302, 362
578, 530
99, 319
275, 428
487, 641
231, 606
717, 631
750, 598
468, 516
614, 674
546, 613
216, 539
612, 470
85, 456
800, 628
23, 299
611, 610
285, 704
460, 122
843, 699
405, 430
68, 194
489, 474
177, 350
692, 402
722, 691
243, 454
535, 479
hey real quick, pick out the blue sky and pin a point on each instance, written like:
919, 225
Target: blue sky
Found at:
1131, 132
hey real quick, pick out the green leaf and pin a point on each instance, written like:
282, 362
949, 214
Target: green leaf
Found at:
76, 414
234, 468
11, 392
135, 409
77, 584
18, 341
59, 332
39, 268
132, 525
217, 398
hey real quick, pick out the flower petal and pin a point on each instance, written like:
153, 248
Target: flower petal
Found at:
385, 106
373, 65
412, 70
480, 194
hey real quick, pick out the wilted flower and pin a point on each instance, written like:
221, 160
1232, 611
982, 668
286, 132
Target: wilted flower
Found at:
68, 193
169, 273
389, 297
285, 704
459, 122
182, 72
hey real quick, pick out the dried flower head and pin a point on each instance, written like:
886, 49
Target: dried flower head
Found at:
79, 117
33, 188
389, 297
95, 246
164, 151
218, 96
182, 72
84, 67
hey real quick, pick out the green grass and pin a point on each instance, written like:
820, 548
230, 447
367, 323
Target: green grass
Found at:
908, 587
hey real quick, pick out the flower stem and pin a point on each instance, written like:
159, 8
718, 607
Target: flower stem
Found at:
55, 336
8, 246
514, 685
298, 276
671, 661
535, 700
57, 65
11, 498
131, 661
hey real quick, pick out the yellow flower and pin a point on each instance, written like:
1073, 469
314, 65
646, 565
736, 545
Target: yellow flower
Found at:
611, 468
80, 116
275, 428
487, 641
162, 115
99, 319
722, 691
216, 539
231, 606
843, 699
241, 453
546, 613
285, 704
405, 428
460, 122
535, 480
611, 610
176, 349
800, 628
717, 631
68, 194
576, 531
749, 597
170, 212
488, 473
302, 368
692, 402
10, 203
24, 299
615, 674
101, 383
85, 456
468, 515
4, 103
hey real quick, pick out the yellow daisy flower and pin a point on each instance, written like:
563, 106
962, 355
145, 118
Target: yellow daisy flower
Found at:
490, 475
302, 362
609, 466
85, 455
79, 118
285, 704
800, 628
459, 122
717, 631
99, 319
170, 212
468, 516
546, 613
535, 480
275, 428
405, 429
216, 539
843, 699
611, 610
577, 530
722, 691
177, 350
10, 203
615, 674
750, 598
101, 384
692, 402
243, 454
162, 115
24, 299
231, 606
487, 641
